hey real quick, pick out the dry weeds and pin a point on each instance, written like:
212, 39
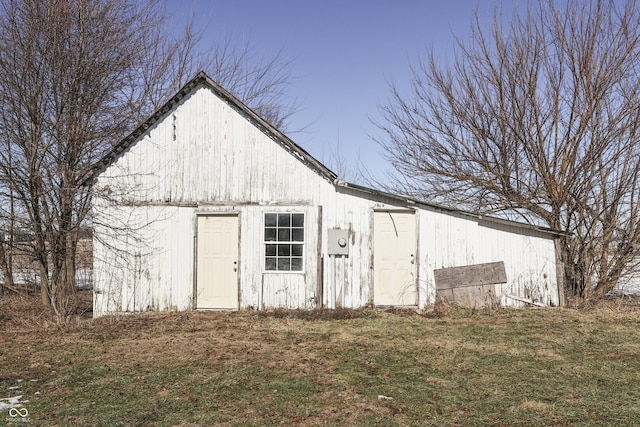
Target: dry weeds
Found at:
443, 366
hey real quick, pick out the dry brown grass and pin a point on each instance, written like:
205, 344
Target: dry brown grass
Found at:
442, 366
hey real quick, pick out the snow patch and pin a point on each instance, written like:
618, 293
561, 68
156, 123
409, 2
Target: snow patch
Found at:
11, 402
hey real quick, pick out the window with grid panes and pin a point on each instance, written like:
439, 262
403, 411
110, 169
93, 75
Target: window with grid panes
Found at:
283, 241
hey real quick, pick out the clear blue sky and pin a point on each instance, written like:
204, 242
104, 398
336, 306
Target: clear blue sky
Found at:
343, 53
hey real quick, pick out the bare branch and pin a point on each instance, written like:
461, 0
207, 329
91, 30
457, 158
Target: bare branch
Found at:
75, 77
538, 119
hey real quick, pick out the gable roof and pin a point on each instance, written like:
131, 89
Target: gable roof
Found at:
202, 79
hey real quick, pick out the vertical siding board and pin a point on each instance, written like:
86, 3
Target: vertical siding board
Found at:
158, 258
250, 169
224, 164
352, 274
221, 162
226, 134
527, 258
427, 293
251, 257
179, 258
244, 270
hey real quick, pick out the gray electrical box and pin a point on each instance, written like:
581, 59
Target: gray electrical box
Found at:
338, 241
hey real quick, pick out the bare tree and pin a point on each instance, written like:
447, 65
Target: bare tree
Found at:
258, 80
537, 119
75, 76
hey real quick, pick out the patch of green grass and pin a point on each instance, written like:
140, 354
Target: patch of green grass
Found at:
461, 367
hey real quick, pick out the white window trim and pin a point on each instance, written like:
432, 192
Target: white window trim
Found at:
265, 242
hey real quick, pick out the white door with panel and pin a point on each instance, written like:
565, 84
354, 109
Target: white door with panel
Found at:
217, 262
394, 258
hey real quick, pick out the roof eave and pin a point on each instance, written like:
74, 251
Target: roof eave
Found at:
475, 215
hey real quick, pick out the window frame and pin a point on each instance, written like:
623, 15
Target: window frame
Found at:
285, 230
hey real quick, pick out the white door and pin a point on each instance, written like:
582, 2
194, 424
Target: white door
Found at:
217, 268
394, 258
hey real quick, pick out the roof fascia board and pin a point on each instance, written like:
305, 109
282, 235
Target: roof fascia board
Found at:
474, 215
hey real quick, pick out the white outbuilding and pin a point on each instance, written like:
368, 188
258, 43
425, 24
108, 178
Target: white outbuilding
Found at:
207, 206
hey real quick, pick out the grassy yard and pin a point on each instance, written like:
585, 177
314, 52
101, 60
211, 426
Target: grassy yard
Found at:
446, 367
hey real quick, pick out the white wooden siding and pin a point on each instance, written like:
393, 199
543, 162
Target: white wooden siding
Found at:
455, 240
204, 157
136, 250
628, 285
217, 155
353, 275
